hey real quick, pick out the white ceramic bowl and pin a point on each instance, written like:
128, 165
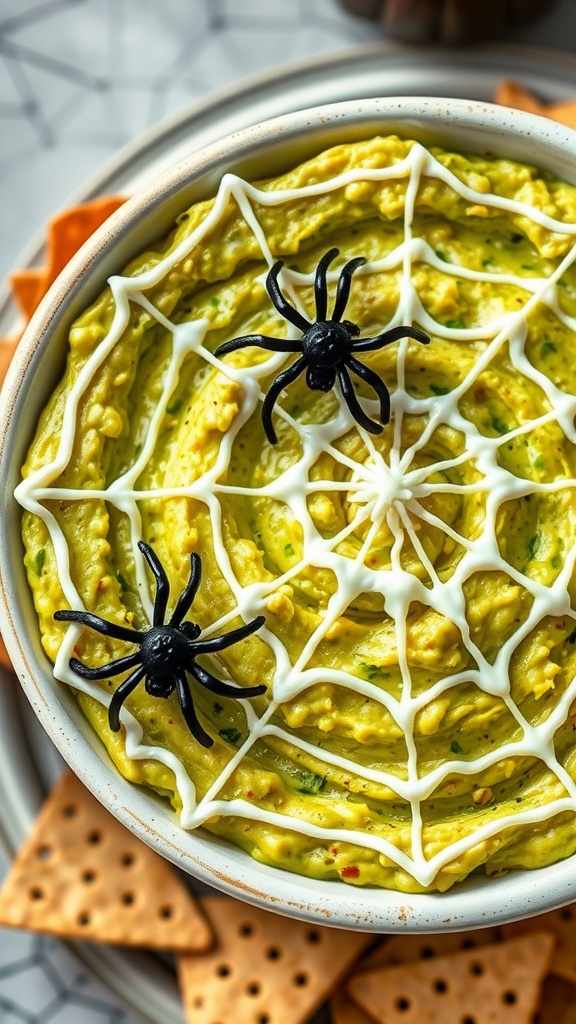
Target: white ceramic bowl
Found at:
259, 151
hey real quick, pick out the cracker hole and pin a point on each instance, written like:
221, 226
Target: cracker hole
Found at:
313, 936
509, 998
69, 811
199, 1001
128, 898
36, 893
127, 860
253, 989
402, 1004
263, 1018
223, 970
468, 1020
566, 914
94, 838
467, 944
426, 952
301, 979
166, 912
88, 876
440, 986
273, 953
84, 918
45, 852
476, 968
245, 930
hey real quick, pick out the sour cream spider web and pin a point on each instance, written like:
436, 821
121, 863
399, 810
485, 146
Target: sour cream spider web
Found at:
395, 493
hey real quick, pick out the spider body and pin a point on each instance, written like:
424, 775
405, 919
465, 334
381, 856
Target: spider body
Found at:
167, 651
327, 347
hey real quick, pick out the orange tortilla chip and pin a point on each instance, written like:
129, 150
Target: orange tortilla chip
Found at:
27, 289
82, 875
512, 94
66, 232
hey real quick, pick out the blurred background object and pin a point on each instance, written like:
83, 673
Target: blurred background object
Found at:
449, 22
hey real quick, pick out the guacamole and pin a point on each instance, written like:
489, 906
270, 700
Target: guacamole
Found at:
410, 584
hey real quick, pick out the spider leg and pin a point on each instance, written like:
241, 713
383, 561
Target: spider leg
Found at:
282, 380
120, 695
261, 341
343, 286
132, 636
189, 711
320, 287
189, 593
387, 337
353, 403
113, 668
223, 689
282, 305
219, 643
162, 585
375, 381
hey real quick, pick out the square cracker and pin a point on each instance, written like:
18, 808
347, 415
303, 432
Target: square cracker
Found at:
81, 874
401, 949
494, 984
562, 924
265, 969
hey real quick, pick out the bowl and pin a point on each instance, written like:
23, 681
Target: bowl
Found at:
256, 152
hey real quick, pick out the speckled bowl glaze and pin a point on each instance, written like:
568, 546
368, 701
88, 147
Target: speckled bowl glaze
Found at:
256, 152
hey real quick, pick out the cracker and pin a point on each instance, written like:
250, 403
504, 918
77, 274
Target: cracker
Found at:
81, 874
557, 1002
265, 969
402, 949
496, 984
562, 924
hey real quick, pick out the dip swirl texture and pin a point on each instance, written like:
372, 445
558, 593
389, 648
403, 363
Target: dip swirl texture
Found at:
418, 585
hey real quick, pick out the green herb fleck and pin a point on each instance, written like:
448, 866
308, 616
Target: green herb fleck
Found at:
534, 544
499, 426
456, 325
441, 255
123, 581
214, 301
232, 735
515, 237
39, 559
288, 550
487, 261
572, 638
439, 389
556, 561
456, 748
217, 708
373, 670
526, 266
310, 782
539, 462
547, 347
173, 409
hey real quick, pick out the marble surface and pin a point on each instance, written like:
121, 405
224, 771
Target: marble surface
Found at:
79, 79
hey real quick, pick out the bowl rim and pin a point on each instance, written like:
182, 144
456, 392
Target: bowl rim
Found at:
471, 904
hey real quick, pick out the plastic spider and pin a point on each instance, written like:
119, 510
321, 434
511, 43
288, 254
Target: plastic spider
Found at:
327, 347
167, 651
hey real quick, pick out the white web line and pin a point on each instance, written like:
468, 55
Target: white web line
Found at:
399, 588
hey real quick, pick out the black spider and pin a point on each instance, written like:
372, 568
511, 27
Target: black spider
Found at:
167, 651
327, 346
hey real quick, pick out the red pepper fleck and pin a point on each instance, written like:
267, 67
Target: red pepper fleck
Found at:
480, 394
350, 871
560, 625
76, 650
334, 850
249, 794
170, 721
99, 586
